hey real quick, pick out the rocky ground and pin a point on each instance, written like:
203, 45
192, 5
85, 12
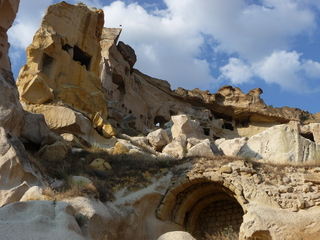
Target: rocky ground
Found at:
92, 148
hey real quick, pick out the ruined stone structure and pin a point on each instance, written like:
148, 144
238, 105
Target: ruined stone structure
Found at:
208, 198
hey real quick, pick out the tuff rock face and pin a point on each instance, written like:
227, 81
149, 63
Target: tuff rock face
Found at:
274, 196
8, 9
138, 102
63, 67
15, 170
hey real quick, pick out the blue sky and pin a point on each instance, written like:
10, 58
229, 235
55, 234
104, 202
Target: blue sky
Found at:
271, 44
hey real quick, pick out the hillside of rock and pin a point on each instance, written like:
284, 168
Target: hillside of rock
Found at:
92, 148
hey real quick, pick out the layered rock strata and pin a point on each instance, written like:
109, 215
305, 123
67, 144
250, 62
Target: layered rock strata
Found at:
138, 102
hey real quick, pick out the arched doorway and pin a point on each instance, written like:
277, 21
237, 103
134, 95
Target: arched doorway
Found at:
204, 207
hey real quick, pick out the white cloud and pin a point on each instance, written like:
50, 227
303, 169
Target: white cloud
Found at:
236, 71
27, 22
256, 39
283, 68
166, 46
169, 42
311, 68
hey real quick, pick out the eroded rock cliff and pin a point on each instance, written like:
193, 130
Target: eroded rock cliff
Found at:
63, 67
182, 174
16, 172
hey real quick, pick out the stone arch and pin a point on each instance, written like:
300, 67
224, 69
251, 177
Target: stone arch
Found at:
188, 200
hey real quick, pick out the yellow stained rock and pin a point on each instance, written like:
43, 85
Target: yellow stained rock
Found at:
108, 131
119, 148
100, 165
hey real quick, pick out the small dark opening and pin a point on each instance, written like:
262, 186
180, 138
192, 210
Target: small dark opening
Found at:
67, 48
47, 62
308, 136
206, 131
227, 126
118, 80
82, 57
172, 113
78, 55
132, 124
160, 121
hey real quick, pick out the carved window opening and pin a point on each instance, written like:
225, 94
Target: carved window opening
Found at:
206, 131
308, 136
118, 80
47, 62
227, 126
78, 55
82, 57
160, 121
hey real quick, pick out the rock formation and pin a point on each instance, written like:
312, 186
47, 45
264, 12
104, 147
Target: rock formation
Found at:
15, 169
62, 71
138, 102
198, 162
8, 10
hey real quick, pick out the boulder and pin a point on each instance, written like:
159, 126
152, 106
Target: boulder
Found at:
279, 144
203, 149
191, 142
108, 131
36, 130
71, 140
127, 53
80, 180
177, 148
100, 165
62, 119
92, 215
39, 220
183, 125
230, 147
55, 152
120, 148
35, 193
176, 235
158, 139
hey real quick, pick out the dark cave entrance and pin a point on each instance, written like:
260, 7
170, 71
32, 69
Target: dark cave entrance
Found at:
78, 55
160, 121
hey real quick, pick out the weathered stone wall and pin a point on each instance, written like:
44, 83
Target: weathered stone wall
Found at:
218, 216
212, 195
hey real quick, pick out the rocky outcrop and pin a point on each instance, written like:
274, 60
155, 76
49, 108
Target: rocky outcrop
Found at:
17, 175
207, 192
8, 9
280, 144
258, 201
148, 102
62, 69
39, 219
178, 235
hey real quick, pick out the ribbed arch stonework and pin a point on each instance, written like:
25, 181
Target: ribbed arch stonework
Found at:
205, 204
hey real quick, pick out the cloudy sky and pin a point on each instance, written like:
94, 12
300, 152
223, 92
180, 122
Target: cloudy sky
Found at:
206, 44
